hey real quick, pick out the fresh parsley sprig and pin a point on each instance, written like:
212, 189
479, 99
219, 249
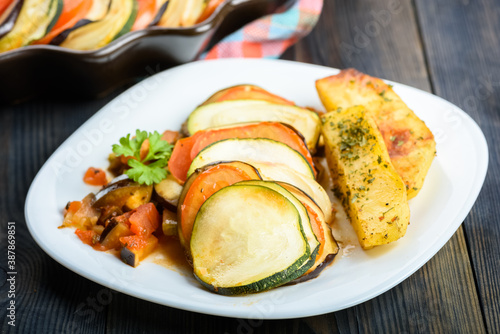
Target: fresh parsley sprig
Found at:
150, 169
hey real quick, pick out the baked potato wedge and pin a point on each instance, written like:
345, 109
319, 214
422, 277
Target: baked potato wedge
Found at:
369, 187
409, 141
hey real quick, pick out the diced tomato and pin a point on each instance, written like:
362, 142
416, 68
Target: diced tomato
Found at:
145, 220
72, 208
89, 237
95, 177
181, 160
209, 9
205, 184
145, 14
134, 242
72, 12
125, 218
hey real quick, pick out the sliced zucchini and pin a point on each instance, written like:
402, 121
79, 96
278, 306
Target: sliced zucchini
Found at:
252, 150
330, 247
192, 11
172, 16
118, 21
182, 13
282, 172
238, 164
243, 111
97, 12
304, 216
247, 238
201, 185
35, 19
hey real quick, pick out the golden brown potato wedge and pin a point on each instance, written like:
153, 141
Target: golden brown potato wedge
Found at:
410, 143
372, 192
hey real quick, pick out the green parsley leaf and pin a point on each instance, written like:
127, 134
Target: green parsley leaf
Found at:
150, 169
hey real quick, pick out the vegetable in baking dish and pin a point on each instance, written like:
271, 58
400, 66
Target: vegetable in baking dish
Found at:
91, 24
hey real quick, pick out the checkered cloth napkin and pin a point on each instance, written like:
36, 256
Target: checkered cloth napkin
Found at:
270, 36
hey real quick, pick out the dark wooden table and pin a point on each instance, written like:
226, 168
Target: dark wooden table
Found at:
448, 47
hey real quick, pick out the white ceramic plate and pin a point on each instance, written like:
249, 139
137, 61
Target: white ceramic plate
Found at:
164, 101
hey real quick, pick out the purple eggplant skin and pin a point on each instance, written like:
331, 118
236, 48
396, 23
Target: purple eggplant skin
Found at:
129, 257
123, 193
159, 14
10, 18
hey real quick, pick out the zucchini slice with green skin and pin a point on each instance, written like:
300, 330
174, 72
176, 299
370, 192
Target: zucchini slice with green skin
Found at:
192, 11
330, 249
246, 239
252, 150
98, 11
304, 217
182, 13
283, 173
35, 19
201, 185
218, 114
172, 16
118, 21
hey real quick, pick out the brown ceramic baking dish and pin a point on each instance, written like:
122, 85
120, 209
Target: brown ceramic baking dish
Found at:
46, 70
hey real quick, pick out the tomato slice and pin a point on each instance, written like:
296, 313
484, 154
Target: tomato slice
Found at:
247, 92
206, 183
186, 149
145, 14
180, 160
89, 237
4, 4
317, 227
72, 12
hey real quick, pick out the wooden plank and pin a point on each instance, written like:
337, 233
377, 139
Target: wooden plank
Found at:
378, 38
49, 298
463, 54
440, 297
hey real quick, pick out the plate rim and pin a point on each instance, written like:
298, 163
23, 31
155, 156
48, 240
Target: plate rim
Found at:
481, 151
